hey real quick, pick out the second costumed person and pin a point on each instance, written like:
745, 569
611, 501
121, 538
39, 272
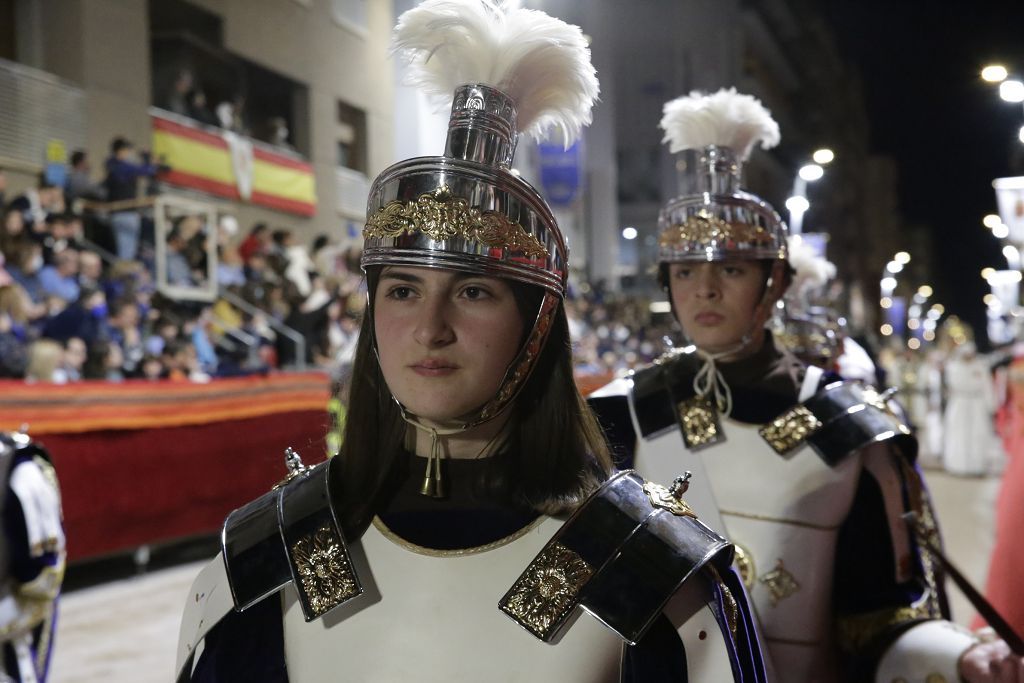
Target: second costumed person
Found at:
808, 475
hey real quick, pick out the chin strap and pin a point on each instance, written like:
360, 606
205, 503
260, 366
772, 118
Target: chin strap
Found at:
433, 481
709, 381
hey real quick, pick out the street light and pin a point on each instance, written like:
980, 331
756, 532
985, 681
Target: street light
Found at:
823, 156
798, 204
991, 221
994, 73
1012, 91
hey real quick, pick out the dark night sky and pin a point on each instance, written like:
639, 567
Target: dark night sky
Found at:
948, 130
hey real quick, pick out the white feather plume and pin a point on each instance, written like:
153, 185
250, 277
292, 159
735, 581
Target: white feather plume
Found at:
810, 270
725, 118
540, 62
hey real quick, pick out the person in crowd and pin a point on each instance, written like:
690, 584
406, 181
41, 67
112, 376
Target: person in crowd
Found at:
12, 233
14, 331
199, 108
970, 447
85, 319
152, 368
61, 278
90, 270
79, 183
34, 552
179, 272
230, 268
3, 191
45, 357
75, 353
178, 97
123, 327
466, 435
808, 476
37, 203
104, 361
26, 264
257, 241
121, 184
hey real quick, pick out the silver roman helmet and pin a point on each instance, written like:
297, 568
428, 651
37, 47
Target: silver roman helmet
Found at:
719, 220
512, 71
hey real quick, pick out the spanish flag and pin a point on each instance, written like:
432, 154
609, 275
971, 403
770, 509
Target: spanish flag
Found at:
224, 165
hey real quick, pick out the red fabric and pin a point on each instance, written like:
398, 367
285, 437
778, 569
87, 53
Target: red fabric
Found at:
1008, 552
125, 488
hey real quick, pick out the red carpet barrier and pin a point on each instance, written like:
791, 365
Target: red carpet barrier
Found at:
144, 462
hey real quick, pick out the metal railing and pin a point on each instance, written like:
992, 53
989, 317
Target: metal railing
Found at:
279, 327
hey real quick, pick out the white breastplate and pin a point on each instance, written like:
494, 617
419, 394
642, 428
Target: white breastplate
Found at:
438, 620
784, 514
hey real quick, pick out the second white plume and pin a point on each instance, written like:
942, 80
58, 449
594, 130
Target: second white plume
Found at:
540, 62
725, 119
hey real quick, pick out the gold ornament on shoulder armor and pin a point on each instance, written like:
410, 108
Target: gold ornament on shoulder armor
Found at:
441, 216
547, 591
790, 429
324, 570
699, 422
670, 500
708, 230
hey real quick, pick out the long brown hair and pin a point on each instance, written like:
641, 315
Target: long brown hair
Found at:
554, 453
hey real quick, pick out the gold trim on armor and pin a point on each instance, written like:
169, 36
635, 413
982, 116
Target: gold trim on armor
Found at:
663, 498
780, 520
780, 583
435, 552
707, 230
699, 422
441, 216
855, 631
325, 573
743, 560
789, 430
547, 591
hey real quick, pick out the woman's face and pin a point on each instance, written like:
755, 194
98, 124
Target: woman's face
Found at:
716, 303
445, 339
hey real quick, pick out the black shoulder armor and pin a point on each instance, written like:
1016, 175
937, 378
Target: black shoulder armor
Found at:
290, 534
839, 420
621, 556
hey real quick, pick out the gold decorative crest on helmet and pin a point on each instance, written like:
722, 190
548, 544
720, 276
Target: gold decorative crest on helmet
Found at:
704, 229
442, 216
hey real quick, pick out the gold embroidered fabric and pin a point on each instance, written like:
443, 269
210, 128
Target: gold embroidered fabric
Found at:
708, 230
854, 632
442, 216
780, 583
790, 429
699, 422
547, 591
324, 570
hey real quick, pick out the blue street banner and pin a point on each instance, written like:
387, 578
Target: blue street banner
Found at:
560, 172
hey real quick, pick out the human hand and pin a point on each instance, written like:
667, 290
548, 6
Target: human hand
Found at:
991, 662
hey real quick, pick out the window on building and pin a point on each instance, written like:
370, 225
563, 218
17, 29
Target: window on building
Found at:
351, 137
195, 76
8, 47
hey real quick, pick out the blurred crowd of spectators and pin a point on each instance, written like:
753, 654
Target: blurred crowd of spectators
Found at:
78, 298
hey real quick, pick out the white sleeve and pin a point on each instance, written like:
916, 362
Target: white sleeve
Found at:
928, 651
40, 503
